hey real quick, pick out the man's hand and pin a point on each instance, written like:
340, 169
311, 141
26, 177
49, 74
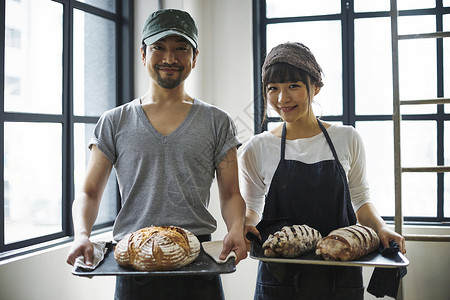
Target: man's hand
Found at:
234, 241
81, 247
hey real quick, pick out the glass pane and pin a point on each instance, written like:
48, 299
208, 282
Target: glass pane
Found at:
419, 194
33, 56
94, 62
108, 206
109, 5
416, 24
419, 146
417, 64
373, 66
446, 2
327, 51
33, 180
295, 8
447, 143
447, 195
446, 27
447, 163
417, 72
378, 143
415, 4
369, 6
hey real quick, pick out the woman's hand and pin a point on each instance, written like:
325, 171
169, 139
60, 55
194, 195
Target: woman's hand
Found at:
251, 229
386, 235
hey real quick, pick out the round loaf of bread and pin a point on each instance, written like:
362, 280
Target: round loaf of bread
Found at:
348, 243
157, 248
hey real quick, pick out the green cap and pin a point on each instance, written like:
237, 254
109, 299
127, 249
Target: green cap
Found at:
167, 22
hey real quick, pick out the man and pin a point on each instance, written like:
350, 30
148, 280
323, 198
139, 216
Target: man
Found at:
166, 148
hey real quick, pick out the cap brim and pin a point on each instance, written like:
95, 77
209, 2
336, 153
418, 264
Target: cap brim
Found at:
156, 37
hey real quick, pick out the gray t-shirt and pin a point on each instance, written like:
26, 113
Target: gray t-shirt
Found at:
165, 180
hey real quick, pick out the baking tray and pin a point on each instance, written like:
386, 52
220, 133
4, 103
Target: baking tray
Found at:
202, 265
374, 259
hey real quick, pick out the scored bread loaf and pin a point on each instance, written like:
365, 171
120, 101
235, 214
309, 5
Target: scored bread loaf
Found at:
348, 243
157, 248
291, 241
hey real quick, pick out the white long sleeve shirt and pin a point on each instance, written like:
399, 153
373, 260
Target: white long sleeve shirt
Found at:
259, 158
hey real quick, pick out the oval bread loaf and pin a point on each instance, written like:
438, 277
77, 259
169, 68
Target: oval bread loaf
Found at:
157, 248
348, 243
291, 241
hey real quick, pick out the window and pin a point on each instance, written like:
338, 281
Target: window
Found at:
12, 38
64, 64
12, 86
352, 42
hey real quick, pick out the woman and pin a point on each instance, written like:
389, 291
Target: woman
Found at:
307, 172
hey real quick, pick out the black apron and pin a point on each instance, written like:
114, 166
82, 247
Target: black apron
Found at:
317, 195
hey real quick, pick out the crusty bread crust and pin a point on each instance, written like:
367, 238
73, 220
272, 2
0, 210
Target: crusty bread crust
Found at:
291, 241
348, 243
157, 248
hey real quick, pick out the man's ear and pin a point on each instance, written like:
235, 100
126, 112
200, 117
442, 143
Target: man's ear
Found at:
143, 56
194, 59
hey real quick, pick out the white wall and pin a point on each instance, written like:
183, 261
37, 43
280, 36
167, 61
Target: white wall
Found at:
223, 77
45, 275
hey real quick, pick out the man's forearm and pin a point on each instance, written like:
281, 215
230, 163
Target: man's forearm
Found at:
233, 212
84, 213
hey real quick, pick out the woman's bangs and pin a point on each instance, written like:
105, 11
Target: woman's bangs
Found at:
281, 72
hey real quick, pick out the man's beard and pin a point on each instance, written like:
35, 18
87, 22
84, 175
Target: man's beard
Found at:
168, 82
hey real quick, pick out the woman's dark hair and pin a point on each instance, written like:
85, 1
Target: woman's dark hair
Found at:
283, 72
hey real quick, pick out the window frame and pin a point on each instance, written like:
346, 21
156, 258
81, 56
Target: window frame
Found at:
349, 116
123, 17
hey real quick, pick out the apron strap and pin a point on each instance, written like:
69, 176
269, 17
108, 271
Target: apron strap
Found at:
283, 141
330, 143
325, 133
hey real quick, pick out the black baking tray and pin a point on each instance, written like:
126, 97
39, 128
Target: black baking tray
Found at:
202, 265
374, 259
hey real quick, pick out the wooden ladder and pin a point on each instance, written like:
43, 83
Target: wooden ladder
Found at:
397, 121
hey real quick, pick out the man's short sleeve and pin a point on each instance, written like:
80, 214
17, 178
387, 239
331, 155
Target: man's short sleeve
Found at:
103, 136
227, 139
